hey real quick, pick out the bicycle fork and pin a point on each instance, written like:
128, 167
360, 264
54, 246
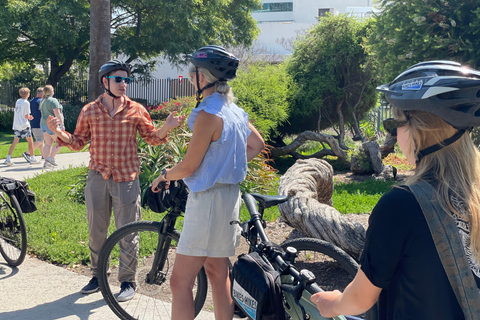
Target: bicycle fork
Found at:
156, 275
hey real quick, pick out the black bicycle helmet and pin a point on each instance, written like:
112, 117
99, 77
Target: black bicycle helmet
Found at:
110, 66
221, 64
175, 195
444, 88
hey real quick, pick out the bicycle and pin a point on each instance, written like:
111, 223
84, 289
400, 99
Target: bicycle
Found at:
151, 300
13, 233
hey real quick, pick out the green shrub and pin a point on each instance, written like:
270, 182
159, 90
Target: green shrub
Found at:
262, 90
6, 120
70, 114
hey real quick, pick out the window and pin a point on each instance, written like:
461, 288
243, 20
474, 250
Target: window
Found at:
323, 12
276, 7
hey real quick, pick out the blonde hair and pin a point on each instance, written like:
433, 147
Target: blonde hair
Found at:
40, 90
47, 93
221, 86
454, 169
24, 92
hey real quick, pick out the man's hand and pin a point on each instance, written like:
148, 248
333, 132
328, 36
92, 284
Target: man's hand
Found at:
53, 123
174, 121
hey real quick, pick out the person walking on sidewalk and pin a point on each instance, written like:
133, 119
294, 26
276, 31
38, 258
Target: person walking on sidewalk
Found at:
111, 124
50, 106
21, 125
35, 124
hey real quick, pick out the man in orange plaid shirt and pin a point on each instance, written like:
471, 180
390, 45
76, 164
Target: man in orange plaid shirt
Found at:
111, 124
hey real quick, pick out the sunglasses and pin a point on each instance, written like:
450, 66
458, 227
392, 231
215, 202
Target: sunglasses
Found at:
119, 79
391, 125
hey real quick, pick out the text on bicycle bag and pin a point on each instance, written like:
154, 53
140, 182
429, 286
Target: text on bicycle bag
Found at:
256, 288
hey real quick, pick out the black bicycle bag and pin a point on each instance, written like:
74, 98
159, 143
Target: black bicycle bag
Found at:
21, 190
256, 288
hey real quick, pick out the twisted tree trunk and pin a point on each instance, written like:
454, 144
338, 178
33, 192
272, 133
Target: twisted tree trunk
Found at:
309, 184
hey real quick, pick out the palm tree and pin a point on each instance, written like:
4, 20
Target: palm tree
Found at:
100, 47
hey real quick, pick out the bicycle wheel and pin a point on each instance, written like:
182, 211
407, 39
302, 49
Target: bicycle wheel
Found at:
13, 233
333, 269
151, 301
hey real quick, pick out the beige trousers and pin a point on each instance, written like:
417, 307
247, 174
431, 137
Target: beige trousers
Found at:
101, 196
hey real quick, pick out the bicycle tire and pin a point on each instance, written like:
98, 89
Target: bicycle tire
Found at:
327, 262
13, 232
151, 301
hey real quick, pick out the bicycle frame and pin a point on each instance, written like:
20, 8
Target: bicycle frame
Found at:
297, 286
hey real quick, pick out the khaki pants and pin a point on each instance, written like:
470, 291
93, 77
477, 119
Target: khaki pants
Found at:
101, 196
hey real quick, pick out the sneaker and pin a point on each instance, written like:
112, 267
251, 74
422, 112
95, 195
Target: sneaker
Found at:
48, 165
51, 161
31, 159
127, 291
91, 287
26, 156
8, 163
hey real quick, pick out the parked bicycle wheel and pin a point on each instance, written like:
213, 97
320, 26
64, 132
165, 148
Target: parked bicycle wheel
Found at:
13, 233
151, 300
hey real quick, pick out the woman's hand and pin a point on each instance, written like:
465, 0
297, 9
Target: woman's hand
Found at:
156, 182
174, 121
325, 302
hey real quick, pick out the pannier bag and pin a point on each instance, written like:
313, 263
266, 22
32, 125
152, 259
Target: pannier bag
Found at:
256, 288
21, 190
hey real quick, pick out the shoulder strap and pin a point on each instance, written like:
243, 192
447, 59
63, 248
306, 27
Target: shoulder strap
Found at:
450, 249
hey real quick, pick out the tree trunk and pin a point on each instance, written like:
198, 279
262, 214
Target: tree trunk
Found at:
373, 151
309, 185
100, 48
388, 146
341, 125
310, 135
57, 71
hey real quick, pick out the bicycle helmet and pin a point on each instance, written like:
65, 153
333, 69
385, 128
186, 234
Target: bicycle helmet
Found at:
444, 88
175, 195
109, 67
221, 64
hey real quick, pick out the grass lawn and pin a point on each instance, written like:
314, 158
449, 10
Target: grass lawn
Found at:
58, 230
6, 139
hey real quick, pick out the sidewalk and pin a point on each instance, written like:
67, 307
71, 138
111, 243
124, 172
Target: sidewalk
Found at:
41, 291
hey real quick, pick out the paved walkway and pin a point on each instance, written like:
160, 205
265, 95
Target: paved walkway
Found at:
41, 291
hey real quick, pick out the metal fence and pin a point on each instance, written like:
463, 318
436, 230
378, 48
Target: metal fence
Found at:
75, 92
379, 114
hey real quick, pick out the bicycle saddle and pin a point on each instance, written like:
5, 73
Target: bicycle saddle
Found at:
267, 201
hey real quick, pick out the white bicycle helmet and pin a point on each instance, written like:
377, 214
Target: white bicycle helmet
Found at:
444, 88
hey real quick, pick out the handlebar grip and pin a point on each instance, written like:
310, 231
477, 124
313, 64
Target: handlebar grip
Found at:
313, 288
250, 203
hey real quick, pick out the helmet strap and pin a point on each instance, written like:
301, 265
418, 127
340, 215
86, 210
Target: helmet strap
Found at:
441, 145
199, 92
108, 90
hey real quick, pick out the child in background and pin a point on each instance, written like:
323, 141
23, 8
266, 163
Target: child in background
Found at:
21, 125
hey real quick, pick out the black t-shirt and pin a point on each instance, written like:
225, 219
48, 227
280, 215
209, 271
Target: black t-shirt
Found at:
400, 257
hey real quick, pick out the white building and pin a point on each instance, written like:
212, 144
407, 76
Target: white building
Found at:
281, 21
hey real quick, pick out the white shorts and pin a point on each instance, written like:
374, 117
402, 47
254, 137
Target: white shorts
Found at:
38, 134
207, 231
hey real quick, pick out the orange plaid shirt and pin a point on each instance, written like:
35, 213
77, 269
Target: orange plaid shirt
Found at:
113, 140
